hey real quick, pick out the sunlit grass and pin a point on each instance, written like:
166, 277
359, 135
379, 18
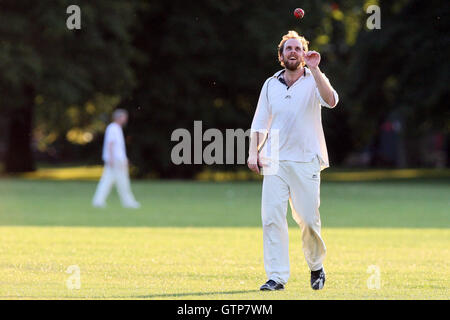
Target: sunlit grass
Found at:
70, 173
203, 240
379, 174
94, 172
216, 263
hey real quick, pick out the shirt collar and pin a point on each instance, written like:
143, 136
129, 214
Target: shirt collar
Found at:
280, 74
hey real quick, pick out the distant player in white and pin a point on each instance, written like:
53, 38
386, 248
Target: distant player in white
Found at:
116, 164
290, 104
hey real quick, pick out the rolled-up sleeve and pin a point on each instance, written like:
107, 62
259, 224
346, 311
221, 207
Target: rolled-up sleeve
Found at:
322, 101
261, 119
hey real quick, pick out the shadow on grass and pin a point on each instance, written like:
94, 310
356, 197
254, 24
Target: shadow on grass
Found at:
174, 295
150, 296
375, 204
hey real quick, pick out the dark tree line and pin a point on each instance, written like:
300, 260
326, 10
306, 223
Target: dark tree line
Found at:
45, 67
170, 63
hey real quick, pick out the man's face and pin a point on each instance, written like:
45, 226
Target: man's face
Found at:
122, 120
293, 54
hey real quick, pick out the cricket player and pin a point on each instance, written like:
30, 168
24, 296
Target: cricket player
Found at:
116, 164
290, 104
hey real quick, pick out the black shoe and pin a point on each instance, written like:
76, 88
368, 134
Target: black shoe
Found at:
317, 279
271, 286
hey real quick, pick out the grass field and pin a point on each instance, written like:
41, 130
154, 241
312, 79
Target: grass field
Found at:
203, 240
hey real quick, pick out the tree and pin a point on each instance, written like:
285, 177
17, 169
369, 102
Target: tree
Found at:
44, 64
204, 61
403, 69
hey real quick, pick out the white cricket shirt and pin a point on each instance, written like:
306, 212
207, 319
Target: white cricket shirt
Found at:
114, 134
295, 113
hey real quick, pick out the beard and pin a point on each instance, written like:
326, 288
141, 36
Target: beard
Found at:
292, 65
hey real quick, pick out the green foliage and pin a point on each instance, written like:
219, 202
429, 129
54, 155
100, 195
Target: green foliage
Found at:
65, 66
46, 68
172, 63
204, 61
402, 68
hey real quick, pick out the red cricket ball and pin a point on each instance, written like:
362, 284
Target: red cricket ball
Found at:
299, 13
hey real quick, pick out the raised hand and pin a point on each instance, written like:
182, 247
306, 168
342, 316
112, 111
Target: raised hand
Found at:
312, 59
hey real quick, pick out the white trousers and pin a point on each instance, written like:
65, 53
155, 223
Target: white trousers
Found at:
298, 183
118, 174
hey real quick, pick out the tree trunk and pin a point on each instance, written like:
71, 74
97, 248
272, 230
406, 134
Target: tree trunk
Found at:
19, 157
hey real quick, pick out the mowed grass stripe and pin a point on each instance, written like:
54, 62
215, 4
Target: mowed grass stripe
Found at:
216, 263
416, 204
198, 240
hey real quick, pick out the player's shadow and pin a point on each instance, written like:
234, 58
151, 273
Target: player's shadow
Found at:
151, 296
174, 295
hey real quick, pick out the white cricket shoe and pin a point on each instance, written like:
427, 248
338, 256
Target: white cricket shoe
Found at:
132, 205
99, 205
